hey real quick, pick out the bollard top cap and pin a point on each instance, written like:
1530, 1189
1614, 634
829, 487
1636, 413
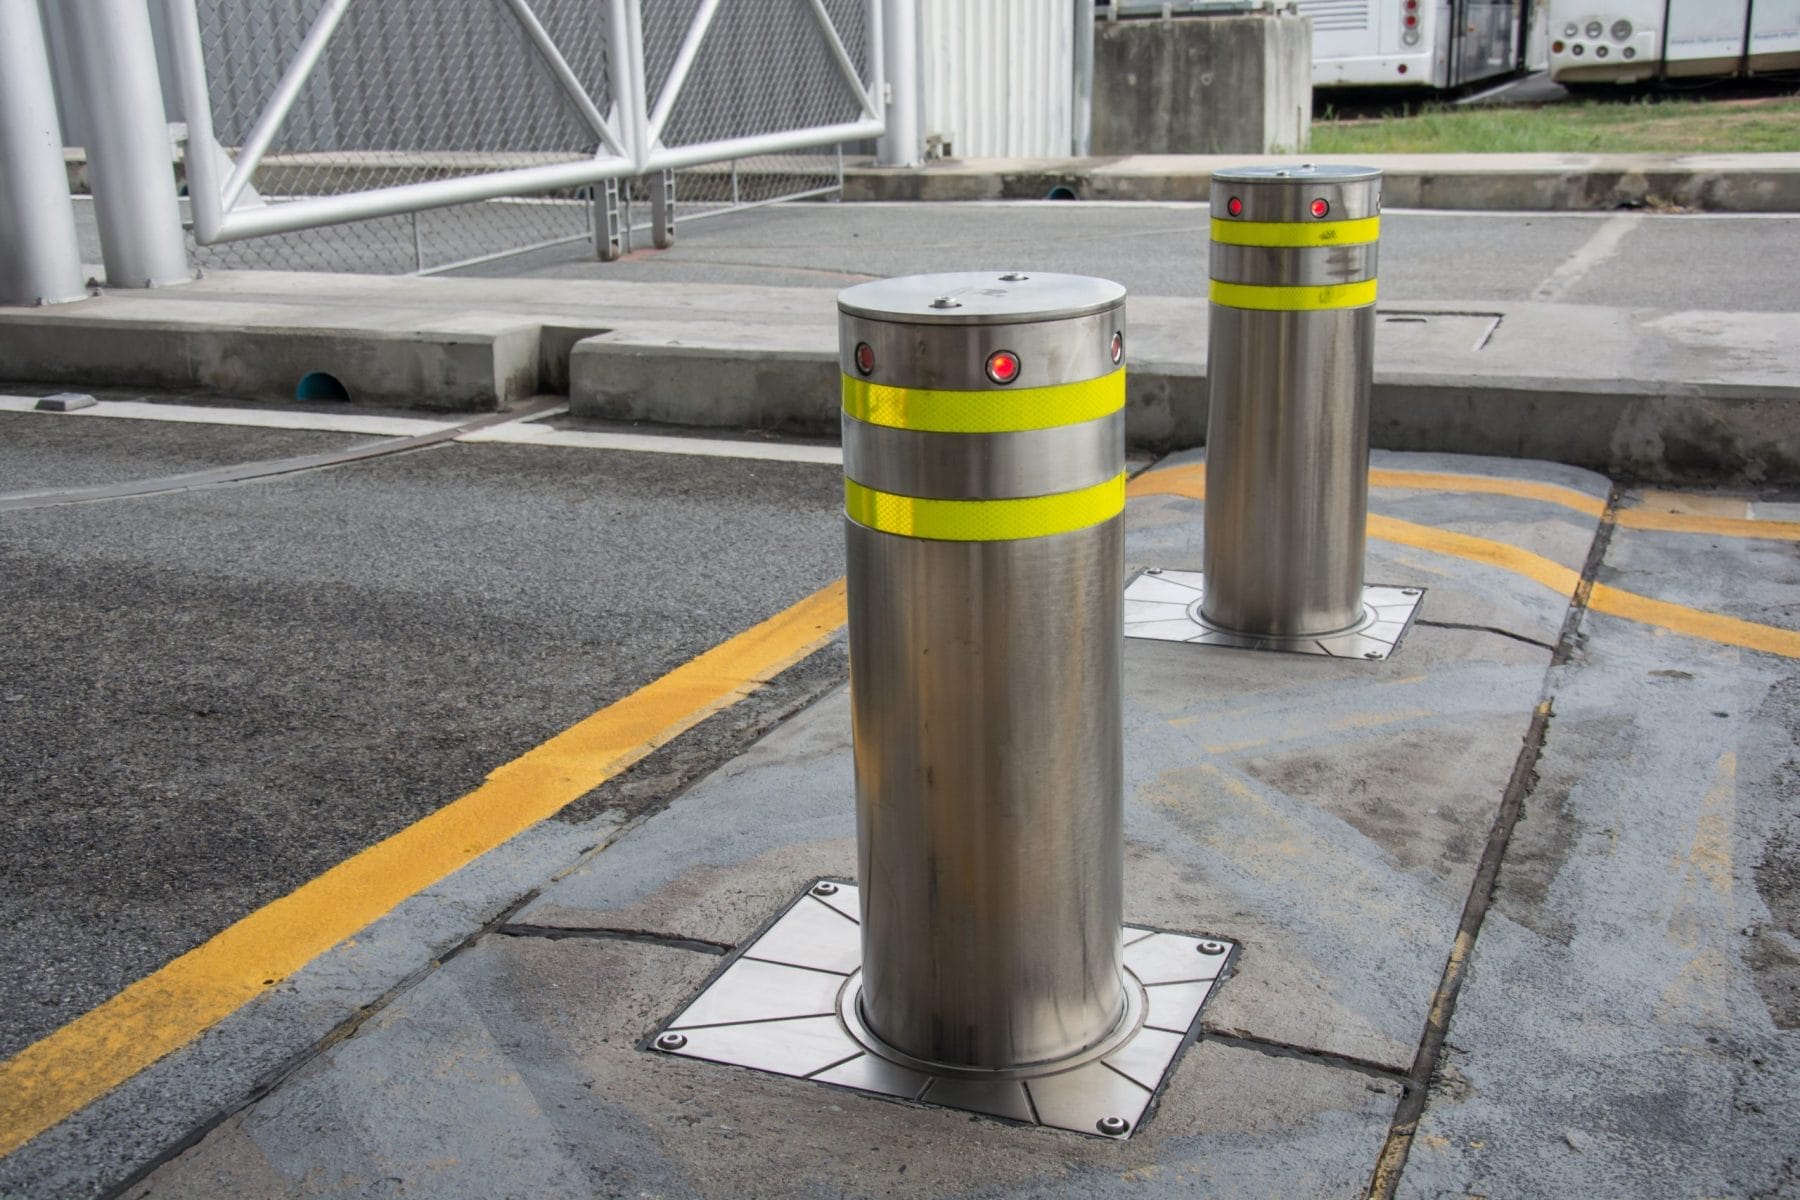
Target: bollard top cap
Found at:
981, 298
1298, 172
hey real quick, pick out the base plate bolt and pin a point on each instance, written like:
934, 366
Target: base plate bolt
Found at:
1113, 1126
1371, 654
1409, 591
824, 888
671, 1041
1211, 948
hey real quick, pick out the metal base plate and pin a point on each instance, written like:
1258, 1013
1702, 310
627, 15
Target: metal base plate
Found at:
1164, 606
786, 1004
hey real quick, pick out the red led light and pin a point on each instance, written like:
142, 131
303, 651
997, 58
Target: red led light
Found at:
1412, 5
1235, 207
865, 358
1411, 21
1003, 366
1320, 208
1118, 348
1403, 68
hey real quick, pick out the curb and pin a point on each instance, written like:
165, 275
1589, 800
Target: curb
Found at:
1746, 183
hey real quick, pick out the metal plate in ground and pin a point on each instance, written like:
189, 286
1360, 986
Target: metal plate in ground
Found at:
779, 1006
1164, 606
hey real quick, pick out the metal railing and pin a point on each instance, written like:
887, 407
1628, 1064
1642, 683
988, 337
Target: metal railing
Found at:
487, 127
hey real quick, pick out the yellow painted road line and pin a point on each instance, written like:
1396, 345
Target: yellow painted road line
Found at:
67, 1070
1492, 485
1581, 502
1190, 481
1737, 527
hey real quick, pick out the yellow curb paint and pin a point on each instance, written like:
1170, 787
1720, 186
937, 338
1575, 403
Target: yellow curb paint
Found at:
1190, 480
69, 1069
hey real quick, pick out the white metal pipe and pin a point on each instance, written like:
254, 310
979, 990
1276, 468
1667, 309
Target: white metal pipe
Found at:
287, 216
625, 65
130, 157
565, 74
188, 61
678, 73
282, 101
841, 56
762, 143
40, 258
1081, 104
901, 144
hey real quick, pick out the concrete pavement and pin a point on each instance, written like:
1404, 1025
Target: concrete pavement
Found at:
1343, 821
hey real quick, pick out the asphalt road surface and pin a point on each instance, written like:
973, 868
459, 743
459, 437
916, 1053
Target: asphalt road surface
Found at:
211, 697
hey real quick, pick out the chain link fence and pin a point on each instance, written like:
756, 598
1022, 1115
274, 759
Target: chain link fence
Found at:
408, 92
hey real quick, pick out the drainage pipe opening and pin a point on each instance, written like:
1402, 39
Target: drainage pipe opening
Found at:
321, 385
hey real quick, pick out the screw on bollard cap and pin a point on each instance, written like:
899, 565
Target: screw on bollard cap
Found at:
980, 298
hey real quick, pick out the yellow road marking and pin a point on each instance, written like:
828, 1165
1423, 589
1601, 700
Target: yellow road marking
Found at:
1593, 506
1190, 480
61, 1074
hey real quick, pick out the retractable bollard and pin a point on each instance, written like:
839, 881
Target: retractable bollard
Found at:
980, 961
984, 459
1290, 363
1290, 359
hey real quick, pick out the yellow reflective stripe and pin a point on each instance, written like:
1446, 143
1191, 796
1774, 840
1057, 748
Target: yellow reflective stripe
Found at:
1293, 299
984, 520
1003, 411
1296, 233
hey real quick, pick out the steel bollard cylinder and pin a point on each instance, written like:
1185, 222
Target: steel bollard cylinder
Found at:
984, 486
1290, 360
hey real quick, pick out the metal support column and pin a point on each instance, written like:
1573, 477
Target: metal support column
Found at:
662, 209
40, 258
1081, 115
130, 156
903, 143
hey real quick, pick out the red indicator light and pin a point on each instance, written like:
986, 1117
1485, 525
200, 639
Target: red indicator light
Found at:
1118, 348
1412, 5
1403, 68
1235, 207
865, 358
1411, 21
1003, 366
1556, 47
1320, 208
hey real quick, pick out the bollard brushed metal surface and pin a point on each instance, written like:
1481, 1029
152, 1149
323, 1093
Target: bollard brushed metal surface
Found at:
985, 682
1287, 470
985, 702
1287, 433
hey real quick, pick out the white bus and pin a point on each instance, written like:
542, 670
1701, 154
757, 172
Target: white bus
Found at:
1424, 44
1639, 41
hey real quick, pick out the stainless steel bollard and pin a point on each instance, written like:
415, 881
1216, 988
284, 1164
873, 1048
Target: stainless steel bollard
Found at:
1290, 363
984, 468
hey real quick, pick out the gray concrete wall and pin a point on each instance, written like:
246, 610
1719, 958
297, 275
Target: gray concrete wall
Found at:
1203, 85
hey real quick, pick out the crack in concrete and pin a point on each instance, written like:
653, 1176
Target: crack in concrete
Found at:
650, 936
345, 1029
1494, 629
1384, 1182
1325, 1058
